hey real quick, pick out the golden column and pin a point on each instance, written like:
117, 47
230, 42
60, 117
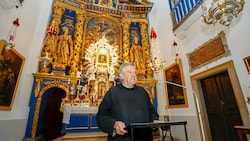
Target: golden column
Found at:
145, 44
78, 34
126, 39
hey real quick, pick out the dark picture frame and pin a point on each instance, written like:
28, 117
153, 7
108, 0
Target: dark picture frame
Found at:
11, 65
247, 63
176, 96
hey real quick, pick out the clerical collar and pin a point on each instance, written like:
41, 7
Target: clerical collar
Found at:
127, 86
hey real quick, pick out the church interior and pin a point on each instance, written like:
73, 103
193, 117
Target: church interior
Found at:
60, 57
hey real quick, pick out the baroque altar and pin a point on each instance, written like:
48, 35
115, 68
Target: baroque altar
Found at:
84, 46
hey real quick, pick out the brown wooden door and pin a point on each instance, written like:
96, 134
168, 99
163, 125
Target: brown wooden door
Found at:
222, 109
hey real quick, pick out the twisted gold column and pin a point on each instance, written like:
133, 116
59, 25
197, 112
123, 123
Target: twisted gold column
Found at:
126, 40
78, 34
145, 44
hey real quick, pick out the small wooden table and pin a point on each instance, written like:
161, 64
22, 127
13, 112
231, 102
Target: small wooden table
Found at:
242, 130
162, 125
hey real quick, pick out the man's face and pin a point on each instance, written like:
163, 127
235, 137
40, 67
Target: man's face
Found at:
129, 76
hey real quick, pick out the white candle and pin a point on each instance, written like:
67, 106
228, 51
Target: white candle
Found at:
156, 61
69, 81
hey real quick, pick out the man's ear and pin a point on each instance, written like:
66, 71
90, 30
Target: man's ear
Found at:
120, 76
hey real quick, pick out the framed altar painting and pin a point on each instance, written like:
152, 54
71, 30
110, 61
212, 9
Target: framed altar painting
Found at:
247, 63
11, 65
175, 94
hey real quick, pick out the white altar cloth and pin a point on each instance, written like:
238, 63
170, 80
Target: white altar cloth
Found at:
68, 110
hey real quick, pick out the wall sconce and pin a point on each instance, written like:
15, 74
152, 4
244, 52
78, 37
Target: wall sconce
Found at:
12, 34
223, 11
157, 63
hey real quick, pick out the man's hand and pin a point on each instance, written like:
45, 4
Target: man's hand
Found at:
158, 121
119, 127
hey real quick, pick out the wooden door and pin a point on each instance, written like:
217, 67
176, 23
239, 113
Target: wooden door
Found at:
222, 109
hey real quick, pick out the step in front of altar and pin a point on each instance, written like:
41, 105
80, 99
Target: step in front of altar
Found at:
84, 136
97, 136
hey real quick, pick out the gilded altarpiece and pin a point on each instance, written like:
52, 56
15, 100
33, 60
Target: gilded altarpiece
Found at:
85, 44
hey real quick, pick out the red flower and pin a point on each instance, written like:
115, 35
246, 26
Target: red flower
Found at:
16, 22
11, 37
153, 34
174, 44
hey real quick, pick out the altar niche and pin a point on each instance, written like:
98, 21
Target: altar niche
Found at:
45, 105
52, 116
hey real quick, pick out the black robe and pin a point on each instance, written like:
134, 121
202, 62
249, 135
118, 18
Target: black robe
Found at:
130, 105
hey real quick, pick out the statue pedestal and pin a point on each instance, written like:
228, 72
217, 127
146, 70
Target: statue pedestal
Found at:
59, 69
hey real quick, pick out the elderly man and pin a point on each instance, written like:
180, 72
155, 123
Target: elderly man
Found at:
123, 104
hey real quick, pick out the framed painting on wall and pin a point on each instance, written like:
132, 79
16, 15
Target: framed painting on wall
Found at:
247, 63
175, 94
11, 65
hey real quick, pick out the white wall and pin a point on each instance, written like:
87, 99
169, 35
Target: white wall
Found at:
198, 33
33, 17
160, 19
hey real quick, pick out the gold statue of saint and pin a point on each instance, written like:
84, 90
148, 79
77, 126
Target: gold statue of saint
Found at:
137, 56
101, 89
65, 47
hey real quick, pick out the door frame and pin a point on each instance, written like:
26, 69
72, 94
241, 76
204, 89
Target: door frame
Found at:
196, 85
